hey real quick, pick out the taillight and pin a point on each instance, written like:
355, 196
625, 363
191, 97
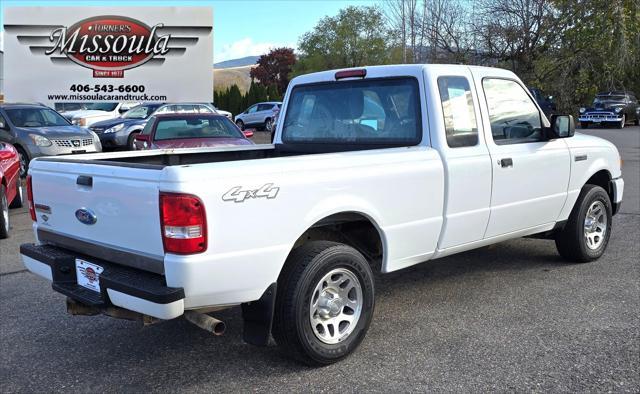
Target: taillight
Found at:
183, 223
32, 208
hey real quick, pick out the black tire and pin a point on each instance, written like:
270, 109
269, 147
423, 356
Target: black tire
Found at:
268, 124
130, 143
584, 125
240, 124
4, 213
303, 271
18, 200
622, 122
24, 162
570, 241
637, 122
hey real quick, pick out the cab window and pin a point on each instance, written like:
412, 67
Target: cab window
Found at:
514, 117
384, 111
460, 124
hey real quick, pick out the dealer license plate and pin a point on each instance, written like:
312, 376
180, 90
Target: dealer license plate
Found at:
88, 274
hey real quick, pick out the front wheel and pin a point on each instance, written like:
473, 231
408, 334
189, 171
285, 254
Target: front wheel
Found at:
131, 141
18, 200
586, 233
24, 162
622, 122
324, 302
268, 125
240, 124
4, 213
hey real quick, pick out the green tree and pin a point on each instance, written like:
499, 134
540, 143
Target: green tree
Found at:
355, 37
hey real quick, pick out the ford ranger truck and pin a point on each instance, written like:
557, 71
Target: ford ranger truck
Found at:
375, 168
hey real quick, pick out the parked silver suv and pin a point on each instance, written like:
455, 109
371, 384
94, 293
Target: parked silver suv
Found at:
36, 130
259, 115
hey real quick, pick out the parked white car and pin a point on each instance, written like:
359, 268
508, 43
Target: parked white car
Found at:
96, 112
373, 168
224, 113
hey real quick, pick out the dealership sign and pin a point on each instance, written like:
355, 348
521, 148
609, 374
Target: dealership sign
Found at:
134, 54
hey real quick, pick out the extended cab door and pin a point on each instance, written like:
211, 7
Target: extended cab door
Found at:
530, 174
456, 133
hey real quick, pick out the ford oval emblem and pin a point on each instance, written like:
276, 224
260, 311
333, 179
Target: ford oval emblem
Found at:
86, 216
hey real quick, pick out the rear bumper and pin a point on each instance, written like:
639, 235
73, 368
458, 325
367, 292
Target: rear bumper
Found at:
128, 288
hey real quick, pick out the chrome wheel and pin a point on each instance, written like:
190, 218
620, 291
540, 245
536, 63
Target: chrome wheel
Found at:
24, 164
595, 225
336, 305
269, 125
5, 212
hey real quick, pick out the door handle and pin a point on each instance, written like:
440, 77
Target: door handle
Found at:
508, 162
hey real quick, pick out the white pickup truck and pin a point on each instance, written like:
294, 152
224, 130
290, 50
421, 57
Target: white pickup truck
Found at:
377, 168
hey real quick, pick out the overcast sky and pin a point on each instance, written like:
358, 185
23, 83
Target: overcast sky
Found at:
241, 28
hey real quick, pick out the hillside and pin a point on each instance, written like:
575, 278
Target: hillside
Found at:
241, 62
227, 77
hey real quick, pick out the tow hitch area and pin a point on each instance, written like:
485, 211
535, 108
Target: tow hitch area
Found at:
78, 309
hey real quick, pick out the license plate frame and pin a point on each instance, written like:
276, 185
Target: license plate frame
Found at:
88, 274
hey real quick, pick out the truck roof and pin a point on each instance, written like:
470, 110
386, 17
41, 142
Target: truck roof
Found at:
396, 69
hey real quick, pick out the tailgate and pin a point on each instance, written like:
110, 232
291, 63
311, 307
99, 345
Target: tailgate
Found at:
108, 212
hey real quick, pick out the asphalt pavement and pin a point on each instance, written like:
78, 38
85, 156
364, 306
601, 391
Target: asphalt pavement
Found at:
508, 317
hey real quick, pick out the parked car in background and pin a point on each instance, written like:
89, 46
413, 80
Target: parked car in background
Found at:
616, 107
10, 185
547, 103
120, 132
259, 115
68, 107
228, 114
171, 131
96, 112
36, 130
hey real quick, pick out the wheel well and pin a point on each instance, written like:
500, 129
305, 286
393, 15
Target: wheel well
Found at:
602, 178
350, 228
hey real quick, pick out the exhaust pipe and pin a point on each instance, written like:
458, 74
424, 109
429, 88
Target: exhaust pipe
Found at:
206, 322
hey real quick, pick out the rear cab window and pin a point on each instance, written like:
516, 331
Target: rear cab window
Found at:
461, 127
384, 111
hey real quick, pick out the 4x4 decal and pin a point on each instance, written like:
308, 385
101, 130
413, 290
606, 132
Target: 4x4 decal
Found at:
236, 194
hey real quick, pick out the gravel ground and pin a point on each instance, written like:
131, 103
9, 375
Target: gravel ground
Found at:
509, 317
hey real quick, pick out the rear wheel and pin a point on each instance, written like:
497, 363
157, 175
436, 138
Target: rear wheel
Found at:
268, 124
18, 200
4, 213
240, 124
586, 233
324, 302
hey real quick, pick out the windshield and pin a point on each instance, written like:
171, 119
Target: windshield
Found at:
196, 127
374, 111
140, 112
602, 99
35, 117
108, 107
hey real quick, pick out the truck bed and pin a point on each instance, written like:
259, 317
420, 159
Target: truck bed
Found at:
158, 159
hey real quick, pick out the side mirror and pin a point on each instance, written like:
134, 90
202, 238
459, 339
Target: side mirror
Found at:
562, 126
248, 133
